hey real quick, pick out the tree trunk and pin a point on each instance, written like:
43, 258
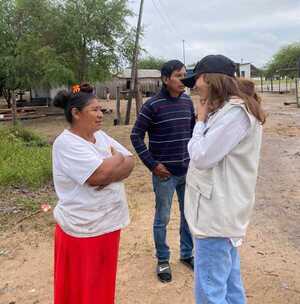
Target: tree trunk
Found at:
7, 96
82, 72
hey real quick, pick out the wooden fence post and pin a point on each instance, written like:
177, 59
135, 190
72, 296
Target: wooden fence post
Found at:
272, 84
297, 93
297, 87
117, 120
14, 109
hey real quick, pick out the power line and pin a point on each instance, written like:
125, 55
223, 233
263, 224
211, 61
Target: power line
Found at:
166, 21
175, 30
163, 18
169, 23
167, 18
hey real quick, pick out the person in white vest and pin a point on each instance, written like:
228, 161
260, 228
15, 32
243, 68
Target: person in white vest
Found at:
221, 179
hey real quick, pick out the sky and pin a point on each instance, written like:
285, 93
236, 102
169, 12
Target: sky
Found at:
244, 30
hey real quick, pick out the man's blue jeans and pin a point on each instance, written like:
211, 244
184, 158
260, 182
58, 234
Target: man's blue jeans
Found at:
164, 190
217, 272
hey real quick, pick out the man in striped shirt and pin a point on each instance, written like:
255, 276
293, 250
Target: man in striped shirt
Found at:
168, 118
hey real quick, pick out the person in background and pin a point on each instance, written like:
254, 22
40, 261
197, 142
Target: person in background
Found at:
221, 179
107, 92
88, 169
168, 118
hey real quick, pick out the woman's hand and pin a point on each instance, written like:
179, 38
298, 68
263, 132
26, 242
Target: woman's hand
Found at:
113, 150
202, 110
105, 173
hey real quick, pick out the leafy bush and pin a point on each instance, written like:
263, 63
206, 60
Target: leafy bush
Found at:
25, 158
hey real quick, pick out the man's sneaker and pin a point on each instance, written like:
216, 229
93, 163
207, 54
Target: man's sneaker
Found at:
163, 271
189, 262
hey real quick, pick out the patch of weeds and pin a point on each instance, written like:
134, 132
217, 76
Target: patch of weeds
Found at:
25, 158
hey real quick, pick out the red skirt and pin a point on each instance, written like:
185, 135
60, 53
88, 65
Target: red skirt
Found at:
85, 268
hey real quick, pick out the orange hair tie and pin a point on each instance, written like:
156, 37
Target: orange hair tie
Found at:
76, 88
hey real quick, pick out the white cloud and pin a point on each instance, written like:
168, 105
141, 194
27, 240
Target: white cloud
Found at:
252, 30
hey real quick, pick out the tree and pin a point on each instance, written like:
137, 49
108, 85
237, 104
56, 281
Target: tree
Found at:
151, 62
47, 43
38, 62
94, 36
27, 58
8, 38
285, 61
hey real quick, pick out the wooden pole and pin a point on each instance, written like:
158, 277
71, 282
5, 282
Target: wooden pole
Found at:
134, 66
297, 87
14, 109
261, 84
272, 84
297, 93
138, 95
118, 104
183, 51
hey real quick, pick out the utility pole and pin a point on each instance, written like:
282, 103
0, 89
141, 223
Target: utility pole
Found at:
134, 76
183, 51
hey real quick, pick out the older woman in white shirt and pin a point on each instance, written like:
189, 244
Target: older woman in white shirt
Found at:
88, 169
220, 186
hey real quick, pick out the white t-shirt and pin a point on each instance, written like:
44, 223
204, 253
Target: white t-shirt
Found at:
82, 210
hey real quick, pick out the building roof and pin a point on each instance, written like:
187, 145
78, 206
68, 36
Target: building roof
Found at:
142, 73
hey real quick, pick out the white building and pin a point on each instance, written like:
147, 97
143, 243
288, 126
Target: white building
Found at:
248, 70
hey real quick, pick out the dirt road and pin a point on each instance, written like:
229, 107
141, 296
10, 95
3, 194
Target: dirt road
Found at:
270, 254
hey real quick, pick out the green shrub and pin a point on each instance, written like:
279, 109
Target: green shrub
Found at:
25, 158
22, 135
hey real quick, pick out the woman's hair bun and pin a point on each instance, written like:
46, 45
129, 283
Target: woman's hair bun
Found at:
61, 99
86, 88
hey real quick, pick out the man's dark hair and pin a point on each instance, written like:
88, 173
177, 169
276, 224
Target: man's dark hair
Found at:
170, 66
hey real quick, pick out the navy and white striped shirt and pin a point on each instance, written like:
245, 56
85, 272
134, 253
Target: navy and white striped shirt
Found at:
169, 122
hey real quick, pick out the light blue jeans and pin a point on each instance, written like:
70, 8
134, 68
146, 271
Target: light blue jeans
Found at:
217, 272
164, 191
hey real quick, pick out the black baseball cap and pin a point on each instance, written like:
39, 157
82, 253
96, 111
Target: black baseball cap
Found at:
210, 64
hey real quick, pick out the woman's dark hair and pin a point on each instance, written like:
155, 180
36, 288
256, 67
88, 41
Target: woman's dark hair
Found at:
77, 99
